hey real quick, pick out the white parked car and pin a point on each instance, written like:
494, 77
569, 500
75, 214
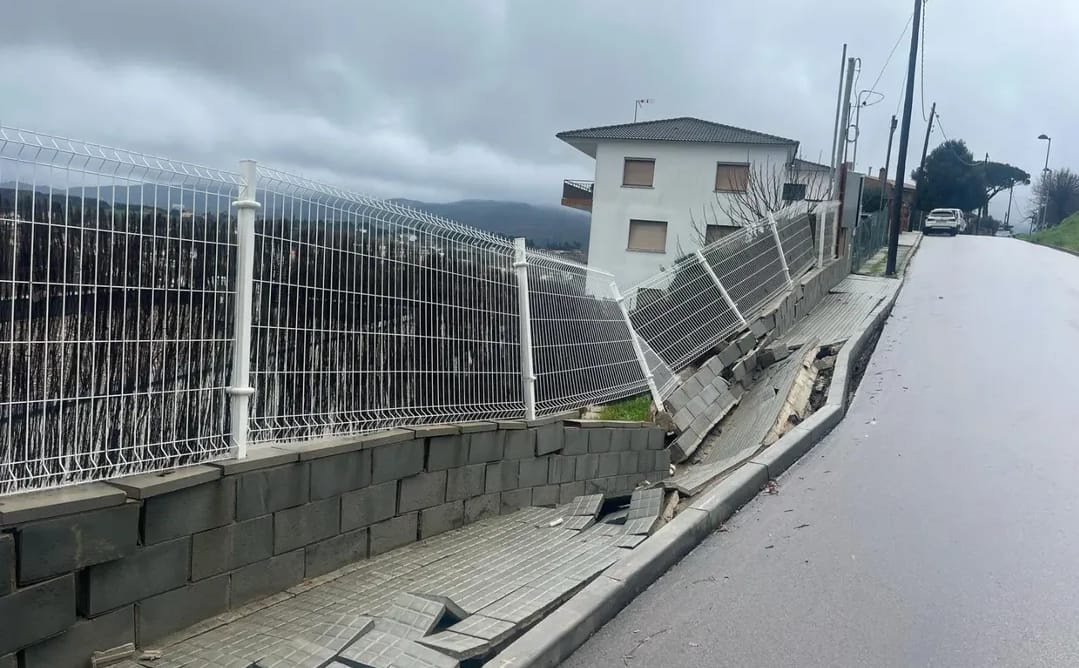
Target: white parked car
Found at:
949, 221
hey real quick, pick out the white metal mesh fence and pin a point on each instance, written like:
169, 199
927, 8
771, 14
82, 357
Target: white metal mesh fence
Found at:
115, 311
796, 237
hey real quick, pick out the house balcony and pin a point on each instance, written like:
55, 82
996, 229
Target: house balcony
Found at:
577, 194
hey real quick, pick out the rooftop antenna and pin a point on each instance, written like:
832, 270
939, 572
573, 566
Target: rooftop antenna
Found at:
637, 104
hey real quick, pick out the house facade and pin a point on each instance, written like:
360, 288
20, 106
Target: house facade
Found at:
664, 188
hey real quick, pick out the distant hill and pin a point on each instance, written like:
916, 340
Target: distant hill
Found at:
544, 226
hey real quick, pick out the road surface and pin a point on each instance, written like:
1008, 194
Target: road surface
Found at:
938, 525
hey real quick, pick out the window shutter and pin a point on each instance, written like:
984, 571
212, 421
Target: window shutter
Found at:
648, 235
638, 172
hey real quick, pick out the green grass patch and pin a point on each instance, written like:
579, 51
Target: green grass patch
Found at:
1065, 235
634, 409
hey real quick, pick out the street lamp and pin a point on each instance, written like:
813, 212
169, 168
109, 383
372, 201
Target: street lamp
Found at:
1045, 175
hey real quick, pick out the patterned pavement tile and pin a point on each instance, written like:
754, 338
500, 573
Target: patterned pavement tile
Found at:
457, 645
645, 503
585, 505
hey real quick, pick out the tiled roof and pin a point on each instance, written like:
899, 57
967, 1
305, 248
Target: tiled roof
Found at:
808, 166
676, 129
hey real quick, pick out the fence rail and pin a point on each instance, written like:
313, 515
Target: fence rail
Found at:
155, 313
870, 236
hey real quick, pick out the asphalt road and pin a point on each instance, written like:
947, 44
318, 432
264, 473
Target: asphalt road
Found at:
938, 525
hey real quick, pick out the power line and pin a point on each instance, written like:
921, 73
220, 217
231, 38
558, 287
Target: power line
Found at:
892, 52
952, 148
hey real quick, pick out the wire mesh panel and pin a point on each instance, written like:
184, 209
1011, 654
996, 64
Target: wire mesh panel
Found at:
115, 311
581, 345
796, 237
870, 236
748, 265
369, 315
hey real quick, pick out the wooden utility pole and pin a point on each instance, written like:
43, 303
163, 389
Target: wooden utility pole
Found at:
904, 137
985, 205
925, 146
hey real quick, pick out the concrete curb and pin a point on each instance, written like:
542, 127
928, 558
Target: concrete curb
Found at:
557, 636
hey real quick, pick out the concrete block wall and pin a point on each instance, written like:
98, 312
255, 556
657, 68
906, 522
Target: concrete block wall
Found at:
96, 566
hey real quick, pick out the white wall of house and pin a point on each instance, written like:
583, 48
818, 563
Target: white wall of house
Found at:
684, 181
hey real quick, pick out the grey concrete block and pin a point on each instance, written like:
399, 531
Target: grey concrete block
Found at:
440, 519
446, 452
683, 419
549, 438
60, 545
74, 646
511, 424
262, 457
697, 405
608, 464
333, 553
269, 490
151, 570
397, 460
188, 511
306, 524
599, 440
34, 613
678, 399
750, 363
747, 342
465, 482
702, 424
561, 469
730, 354
628, 462
146, 485
738, 371
231, 546
646, 461
533, 472
758, 328
477, 426
704, 375
422, 491
587, 466
622, 439
576, 441
487, 446
333, 476
393, 533
172, 611
520, 444
569, 491
480, 507
545, 495
433, 430
596, 486
501, 477
42, 505
263, 578
9, 661
7, 564
663, 461
638, 439
366, 506
709, 395
656, 439
515, 500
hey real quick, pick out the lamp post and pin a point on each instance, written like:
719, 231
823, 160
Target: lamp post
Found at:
1045, 177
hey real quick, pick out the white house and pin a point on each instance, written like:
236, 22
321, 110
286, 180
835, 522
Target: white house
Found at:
658, 184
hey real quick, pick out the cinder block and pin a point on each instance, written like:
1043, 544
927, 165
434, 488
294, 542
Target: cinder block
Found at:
704, 375
501, 477
738, 371
366, 506
52, 547
263, 578
425, 490
692, 386
701, 425
569, 491
533, 472
750, 362
730, 354
466, 481
306, 524
682, 420
520, 444
74, 646
34, 613
596, 486
587, 466
549, 438
231, 546
575, 441
646, 461
747, 342
393, 533
697, 405
151, 570
627, 462
7, 564
481, 506
638, 439
486, 446
678, 399
515, 500
333, 476
396, 461
622, 439
329, 555
656, 439
561, 469
269, 490
663, 461
709, 395
545, 495
188, 511
608, 464
599, 440
440, 519
161, 615
758, 328
446, 452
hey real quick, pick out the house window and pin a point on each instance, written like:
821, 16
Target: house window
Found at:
648, 235
731, 177
717, 232
638, 172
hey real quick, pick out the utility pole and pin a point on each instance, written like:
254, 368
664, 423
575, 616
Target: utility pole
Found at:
887, 163
835, 128
1008, 213
904, 137
925, 146
841, 145
985, 205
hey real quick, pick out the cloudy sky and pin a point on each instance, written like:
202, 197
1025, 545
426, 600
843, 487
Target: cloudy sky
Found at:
446, 99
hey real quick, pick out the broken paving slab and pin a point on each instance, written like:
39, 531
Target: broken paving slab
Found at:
486, 628
419, 615
578, 522
645, 503
378, 649
584, 506
630, 541
457, 645
696, 478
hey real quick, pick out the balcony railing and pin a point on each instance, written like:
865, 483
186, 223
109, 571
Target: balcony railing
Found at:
577, 194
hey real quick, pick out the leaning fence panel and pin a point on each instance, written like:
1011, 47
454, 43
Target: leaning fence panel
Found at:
369, 315
115, 311
749, 266
796, 236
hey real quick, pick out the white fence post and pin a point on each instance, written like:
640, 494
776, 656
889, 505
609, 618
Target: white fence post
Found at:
722, 290
637, 350
528, 376
779, 247
240, 389
822, 220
